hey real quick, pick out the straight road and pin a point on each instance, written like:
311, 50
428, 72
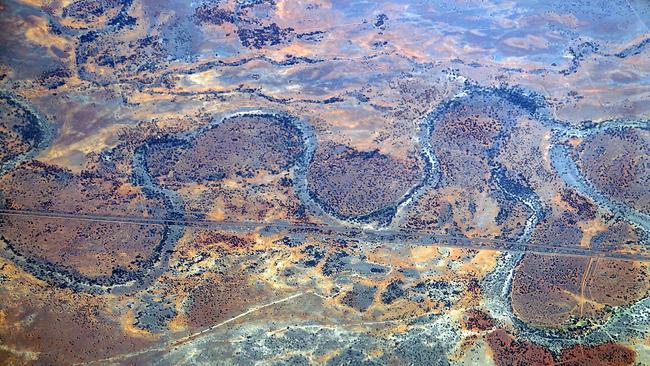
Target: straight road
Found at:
392, 237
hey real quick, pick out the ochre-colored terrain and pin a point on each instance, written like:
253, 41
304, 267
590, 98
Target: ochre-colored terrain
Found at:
274, 182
